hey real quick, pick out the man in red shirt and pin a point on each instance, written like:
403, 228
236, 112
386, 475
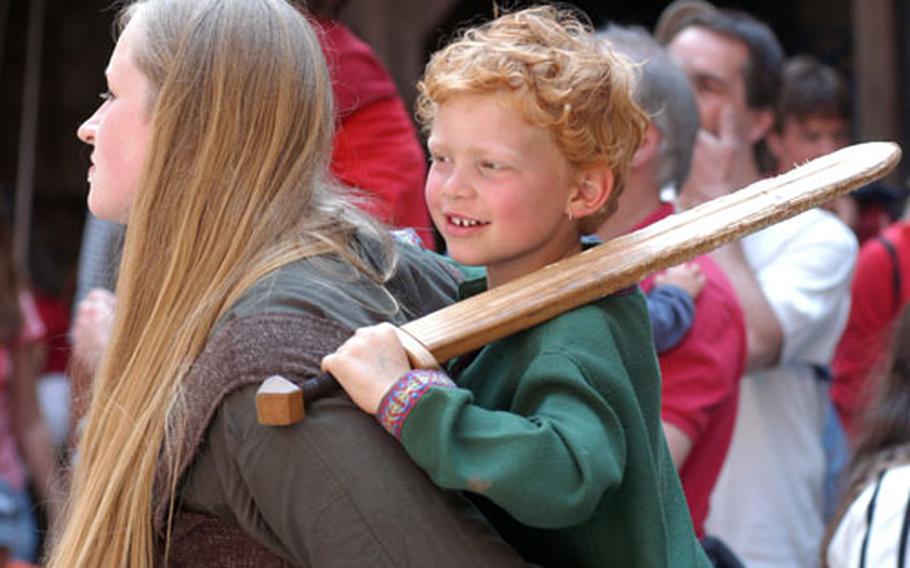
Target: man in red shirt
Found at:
880, 289
375, 147
700, 388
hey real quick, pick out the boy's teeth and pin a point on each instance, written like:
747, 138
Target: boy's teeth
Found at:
461, 222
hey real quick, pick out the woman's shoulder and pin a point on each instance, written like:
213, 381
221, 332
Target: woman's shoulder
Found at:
332, 287
425, 280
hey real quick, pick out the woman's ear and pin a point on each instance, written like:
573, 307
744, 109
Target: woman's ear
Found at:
592, 189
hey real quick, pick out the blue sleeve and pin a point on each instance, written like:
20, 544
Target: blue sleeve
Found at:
671, 310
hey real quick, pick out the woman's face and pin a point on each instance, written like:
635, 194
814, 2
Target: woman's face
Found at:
119, 131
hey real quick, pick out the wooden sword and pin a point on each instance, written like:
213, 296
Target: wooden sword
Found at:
472, 323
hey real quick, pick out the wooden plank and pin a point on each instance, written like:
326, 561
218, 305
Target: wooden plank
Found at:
621, 262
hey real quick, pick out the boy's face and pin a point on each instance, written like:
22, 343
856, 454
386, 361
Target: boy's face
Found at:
498, 188
802, 140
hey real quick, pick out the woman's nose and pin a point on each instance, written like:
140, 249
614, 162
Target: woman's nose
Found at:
86, 130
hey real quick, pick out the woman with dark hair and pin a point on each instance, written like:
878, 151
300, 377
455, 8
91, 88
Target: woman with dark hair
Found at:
871, 525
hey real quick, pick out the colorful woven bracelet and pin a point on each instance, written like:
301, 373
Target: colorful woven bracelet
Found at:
403, 396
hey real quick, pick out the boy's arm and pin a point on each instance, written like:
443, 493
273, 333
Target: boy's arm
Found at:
558, 422
332, 491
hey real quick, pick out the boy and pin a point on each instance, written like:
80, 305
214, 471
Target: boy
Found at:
555, 429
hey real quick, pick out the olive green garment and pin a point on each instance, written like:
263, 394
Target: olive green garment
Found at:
334, 490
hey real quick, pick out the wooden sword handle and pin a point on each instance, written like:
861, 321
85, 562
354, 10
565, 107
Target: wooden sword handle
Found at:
279, 402
624, 261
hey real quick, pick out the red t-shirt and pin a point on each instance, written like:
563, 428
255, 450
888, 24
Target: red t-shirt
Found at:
12, 470
375, 148
700, 388
874, 307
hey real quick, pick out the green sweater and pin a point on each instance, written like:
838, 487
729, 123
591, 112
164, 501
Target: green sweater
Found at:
558, 429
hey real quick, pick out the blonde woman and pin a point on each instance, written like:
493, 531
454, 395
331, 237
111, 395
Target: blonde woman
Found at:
241, 261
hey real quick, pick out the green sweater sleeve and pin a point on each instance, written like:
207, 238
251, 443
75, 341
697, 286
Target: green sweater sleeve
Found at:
548, 460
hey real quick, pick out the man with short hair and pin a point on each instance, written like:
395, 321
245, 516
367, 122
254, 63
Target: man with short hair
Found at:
734, 62
700, 376
793, 283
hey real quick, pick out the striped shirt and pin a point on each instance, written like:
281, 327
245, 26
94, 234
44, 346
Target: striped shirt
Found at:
873, 532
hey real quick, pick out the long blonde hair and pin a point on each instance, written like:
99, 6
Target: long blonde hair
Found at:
234, 186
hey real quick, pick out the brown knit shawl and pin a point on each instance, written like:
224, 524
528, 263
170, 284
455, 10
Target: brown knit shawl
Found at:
244, 351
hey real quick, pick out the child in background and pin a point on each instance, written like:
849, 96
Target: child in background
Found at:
555, 430
671, 304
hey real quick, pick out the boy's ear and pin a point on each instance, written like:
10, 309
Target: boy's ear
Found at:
592, 189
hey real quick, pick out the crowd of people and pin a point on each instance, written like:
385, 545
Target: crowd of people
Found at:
249, 158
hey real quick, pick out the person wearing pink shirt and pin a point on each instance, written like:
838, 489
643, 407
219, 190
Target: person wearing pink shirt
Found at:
26, 452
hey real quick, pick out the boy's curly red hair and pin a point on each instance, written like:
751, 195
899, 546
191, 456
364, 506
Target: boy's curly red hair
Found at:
548, 62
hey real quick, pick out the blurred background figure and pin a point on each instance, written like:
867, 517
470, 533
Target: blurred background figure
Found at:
870, 527
701, 374
813, 119
813, 113
375, 148
880, 290
792, 280
27, 455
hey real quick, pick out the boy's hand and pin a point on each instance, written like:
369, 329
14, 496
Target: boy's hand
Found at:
368, 364
687, 276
